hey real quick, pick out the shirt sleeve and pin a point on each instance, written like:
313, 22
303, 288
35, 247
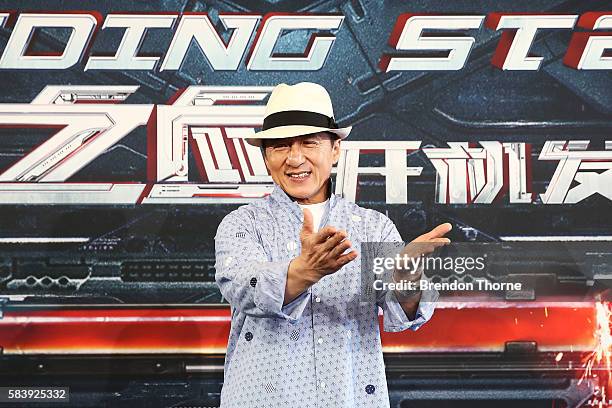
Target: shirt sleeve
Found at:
394, 317
248, 280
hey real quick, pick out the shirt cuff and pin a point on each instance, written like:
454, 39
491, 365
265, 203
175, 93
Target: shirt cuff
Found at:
394, 317
270, 293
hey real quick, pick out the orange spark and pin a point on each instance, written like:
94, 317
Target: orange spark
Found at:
602, 355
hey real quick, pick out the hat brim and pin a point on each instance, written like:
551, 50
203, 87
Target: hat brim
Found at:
281, 132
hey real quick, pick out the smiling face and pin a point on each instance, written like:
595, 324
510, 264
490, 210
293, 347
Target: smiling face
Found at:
302, 165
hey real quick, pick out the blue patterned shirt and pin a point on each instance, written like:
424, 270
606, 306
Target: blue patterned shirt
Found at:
322, 349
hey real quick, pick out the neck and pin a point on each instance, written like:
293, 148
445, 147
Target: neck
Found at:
319, 197
310, 202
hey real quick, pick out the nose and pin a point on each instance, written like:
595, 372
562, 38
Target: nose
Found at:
295, 157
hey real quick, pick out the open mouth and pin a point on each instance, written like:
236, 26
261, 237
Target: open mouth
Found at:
299, 176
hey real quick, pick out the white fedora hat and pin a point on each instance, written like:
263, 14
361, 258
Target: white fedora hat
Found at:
296, 110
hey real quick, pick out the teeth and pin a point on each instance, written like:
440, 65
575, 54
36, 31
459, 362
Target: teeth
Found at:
300, 175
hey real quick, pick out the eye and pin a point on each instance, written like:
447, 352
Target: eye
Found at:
311, 143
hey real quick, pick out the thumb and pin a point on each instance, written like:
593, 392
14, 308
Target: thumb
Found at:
308, 227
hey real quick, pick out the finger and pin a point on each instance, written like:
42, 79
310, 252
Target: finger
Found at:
413, 249
308, 227
333, 241
442, 240
416, 249
438, 231
340, 248
324, 234
344, 259
433, 245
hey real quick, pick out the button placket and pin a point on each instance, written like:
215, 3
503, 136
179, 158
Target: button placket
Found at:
317, 343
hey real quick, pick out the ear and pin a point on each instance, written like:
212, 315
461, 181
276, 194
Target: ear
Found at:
336, 150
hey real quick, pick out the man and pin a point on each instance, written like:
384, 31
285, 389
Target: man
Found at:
288, 264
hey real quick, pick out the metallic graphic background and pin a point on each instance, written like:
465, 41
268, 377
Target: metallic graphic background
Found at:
125, 255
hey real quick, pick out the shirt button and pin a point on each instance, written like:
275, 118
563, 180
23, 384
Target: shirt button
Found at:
228, 260
320, 340
253, 281
370, 389
322, 384
295, 335
356, 218
291, 245
318, 299
248, 336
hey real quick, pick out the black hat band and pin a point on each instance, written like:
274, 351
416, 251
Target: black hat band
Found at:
297, 117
